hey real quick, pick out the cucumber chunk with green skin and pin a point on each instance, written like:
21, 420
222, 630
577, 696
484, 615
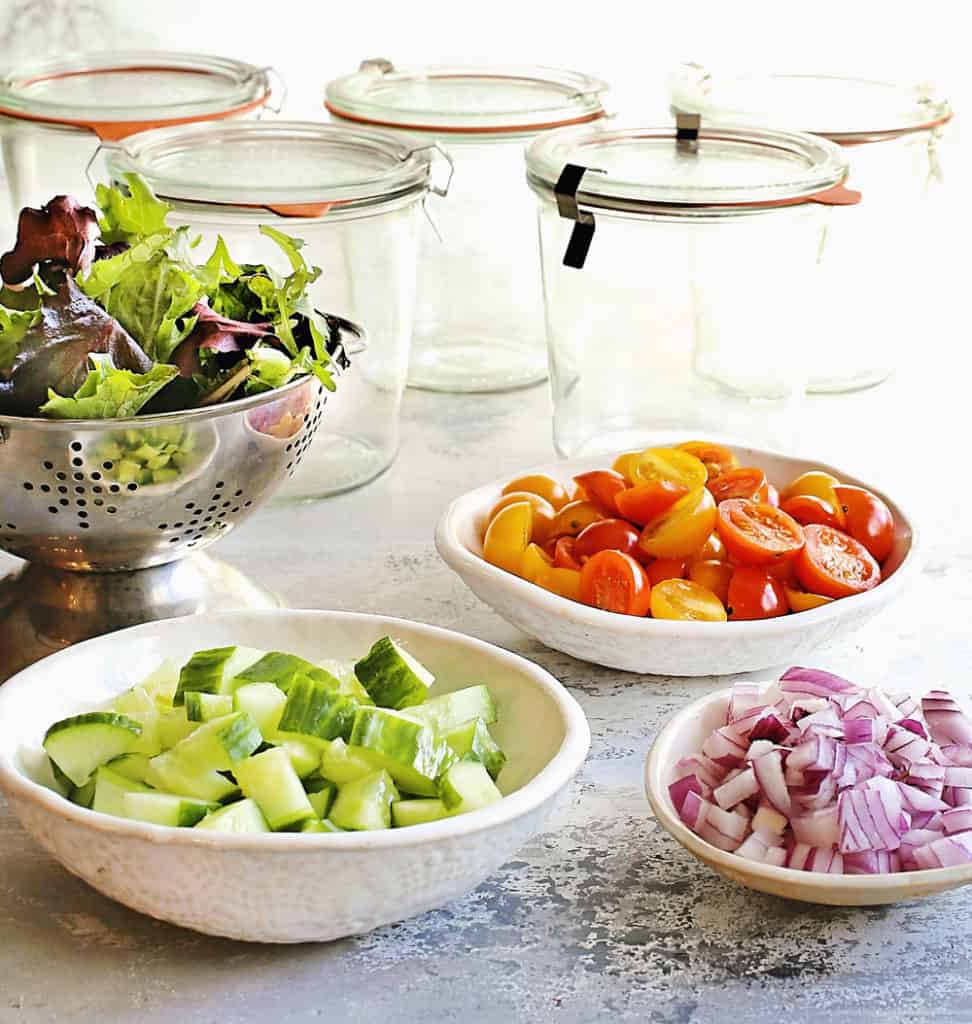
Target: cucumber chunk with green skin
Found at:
269, 779
140, 706
305, 754
315, 708
110, 790
410, 752
218, 745
417, 812
132, 766
166, 809
320, 826
214, 671
350, 684
204, 707
277, 668
474, 742
243, 816
167, 773
162, 683
466, 787
174, 726
450, 711
83, 796
322, 799
341, 765
392, 677
58, 781
264, 703
365, 804
81, 744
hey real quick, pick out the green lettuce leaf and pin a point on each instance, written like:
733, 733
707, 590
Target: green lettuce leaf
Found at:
14, 324
109, 393
128, 218
271, 368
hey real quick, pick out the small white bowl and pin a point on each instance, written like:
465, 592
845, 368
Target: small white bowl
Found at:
682, 736
290, 887
655, 646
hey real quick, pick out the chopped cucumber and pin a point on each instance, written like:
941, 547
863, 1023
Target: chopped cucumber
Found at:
410, 752
305, 753
264, 703
417, 812
162, 684
218, 745
392, 677
313, 825
140, 706
81, 744
174, 726
204, 707
167, 773
58, 781
473, 741
341, 765
243, 816
365, 804
343, 672
466, 786
277, 668
269, 779
83, 795
166, 809
450, 711
322, 799
110, 790
132, 766
315, 708
214, 671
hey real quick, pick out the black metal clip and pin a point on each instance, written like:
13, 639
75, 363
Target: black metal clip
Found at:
687, 131
580, 238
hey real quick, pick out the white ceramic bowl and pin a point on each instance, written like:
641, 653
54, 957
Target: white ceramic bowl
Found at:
290, 887
652, 645
682, 736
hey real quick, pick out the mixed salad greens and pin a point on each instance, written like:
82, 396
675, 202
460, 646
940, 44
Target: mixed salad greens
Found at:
110, 317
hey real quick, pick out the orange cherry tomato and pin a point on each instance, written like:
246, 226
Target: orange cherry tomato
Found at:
815, 483
572, 518
755, 594
646, 502
755, 533
801, 601
669, 464
665, 569
713, 549
606, 535
712, 575
834, 564
534, 561
868, 519
686, 601
565, 555
624, 464
684, 529
807, 509
601, 487
543, 512
545, 486
615, 582
772, 496
746, 482
716, 458
508, 536
565, 582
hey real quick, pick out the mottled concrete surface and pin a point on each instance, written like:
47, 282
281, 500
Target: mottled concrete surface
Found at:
604, 917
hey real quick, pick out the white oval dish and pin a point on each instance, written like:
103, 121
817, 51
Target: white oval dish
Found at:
682, 736
655, 646
290, 887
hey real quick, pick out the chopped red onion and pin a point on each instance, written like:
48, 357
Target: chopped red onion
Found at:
702, 768
726, 746
745, 696
822, 723
914, 799
769, 775
959, 819
817, 828
872, 862
824, 861
946, 720
680, 789
735, 790
958, 777
959, 754
815, 682
775, 856
947, 852
926, 776
913, 725
766, 819
956, 797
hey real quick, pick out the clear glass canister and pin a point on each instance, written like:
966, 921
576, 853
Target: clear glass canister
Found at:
893, 136
479, 319
354, 196
54, 115
676, 267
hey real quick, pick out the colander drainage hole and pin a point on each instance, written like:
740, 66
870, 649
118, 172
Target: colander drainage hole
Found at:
111, 510
76, 446
64, 502
48, 465
11, 526
163, 526
28, 486
52, 509
46, 488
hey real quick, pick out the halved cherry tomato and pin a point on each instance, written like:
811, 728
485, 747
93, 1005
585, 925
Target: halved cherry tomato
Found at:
772, 496
565, 582
508, 536
712, 575
545, 486
669, 464
684, 529
624, 463
543, 512
601, 486
868, 519
644, 503
659, 569
758, 534
534, 561
716, 458
746, 482
713, 549
807, 509
572, 518
834, 564
607, 535
565, 554
801, 601
815, 483
755, 594
686, 601
615, 582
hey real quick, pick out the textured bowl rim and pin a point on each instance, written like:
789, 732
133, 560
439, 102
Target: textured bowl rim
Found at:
466, 562
542, 787
658, 762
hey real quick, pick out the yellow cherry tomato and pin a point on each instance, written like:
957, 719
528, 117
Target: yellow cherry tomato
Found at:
686, 601
717, 458
817, 484
684, 529
624, 464
669, 464
573, 518
545, 486
534, 561
712, 575
801, 601
713, 550
565, 582
508, 536
543, 512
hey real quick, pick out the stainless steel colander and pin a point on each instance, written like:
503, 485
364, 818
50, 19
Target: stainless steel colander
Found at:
117, 495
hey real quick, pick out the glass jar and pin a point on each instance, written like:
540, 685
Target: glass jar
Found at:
676, 267
355, 198
54, 115
893, 137
479, 318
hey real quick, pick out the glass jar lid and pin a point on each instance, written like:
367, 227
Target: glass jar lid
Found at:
294, 168
488, 99
118, 93
844, 109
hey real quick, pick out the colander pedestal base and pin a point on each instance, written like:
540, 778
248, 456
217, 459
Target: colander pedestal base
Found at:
43, 610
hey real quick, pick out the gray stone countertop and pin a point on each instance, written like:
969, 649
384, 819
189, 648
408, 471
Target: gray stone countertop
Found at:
603, 917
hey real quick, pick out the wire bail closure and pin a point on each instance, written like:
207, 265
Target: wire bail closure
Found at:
275, 79
582, 234
101, 148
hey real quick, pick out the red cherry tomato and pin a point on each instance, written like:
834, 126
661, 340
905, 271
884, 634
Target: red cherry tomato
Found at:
746, 482
716, 458
807, 509
772, 496
601, 487
615, 582
666, 569
867, 519
755, 594
606, 535
835, 565
646, 502
565, 553
758, 534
